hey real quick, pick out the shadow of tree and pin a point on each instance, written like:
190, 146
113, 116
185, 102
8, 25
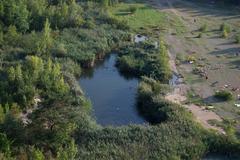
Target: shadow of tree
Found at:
229, 51
198, 9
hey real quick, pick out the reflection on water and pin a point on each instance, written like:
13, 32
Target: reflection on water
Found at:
112, 94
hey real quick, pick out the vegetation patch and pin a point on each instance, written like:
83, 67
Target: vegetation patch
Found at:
224, 95
226, 30
144, 16
145, 59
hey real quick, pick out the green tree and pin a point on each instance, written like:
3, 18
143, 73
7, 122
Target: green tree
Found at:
38, 10
36, 67
74, 18
11, 74
14, 12
21, 20
46, 40
18, 73
12, 36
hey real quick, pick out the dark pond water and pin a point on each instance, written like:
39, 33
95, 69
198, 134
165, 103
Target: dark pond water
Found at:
112, 95
220, 157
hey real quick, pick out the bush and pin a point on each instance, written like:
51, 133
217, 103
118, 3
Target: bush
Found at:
224, 95
203, 28
225, 27
224, 34
180, 58
145, 60
199, 35
89, 24
191, 58
238, 38
132, 9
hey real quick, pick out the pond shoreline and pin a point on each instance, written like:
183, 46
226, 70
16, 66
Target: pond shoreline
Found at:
113, 96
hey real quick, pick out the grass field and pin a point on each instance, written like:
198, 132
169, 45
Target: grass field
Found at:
141, 16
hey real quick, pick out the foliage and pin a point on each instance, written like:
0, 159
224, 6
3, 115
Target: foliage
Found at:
200, 35
31, 14
21, 83
68, 153
46, 39
5, 145
37, 154
150, 107
226, 29
132, 9
224, 33
237, 38
203, 28
14, 12
224, 95
84, 45
144, 16
145, 59
12, 36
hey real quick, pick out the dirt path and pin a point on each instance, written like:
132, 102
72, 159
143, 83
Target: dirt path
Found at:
202, 115
180, 90
24, 116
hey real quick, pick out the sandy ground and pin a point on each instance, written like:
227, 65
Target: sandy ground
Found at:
202, 115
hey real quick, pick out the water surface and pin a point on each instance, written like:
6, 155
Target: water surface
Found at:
220, 157
112, 95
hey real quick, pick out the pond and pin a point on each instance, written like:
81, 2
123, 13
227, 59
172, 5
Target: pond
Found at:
220, 157
113, 96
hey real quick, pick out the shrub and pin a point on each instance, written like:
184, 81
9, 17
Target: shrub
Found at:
132, 9
146, 60
203, 28
225, 27
224, 34
180, 58
224, 95
89, 24
191, 58
199, 35
238, 38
